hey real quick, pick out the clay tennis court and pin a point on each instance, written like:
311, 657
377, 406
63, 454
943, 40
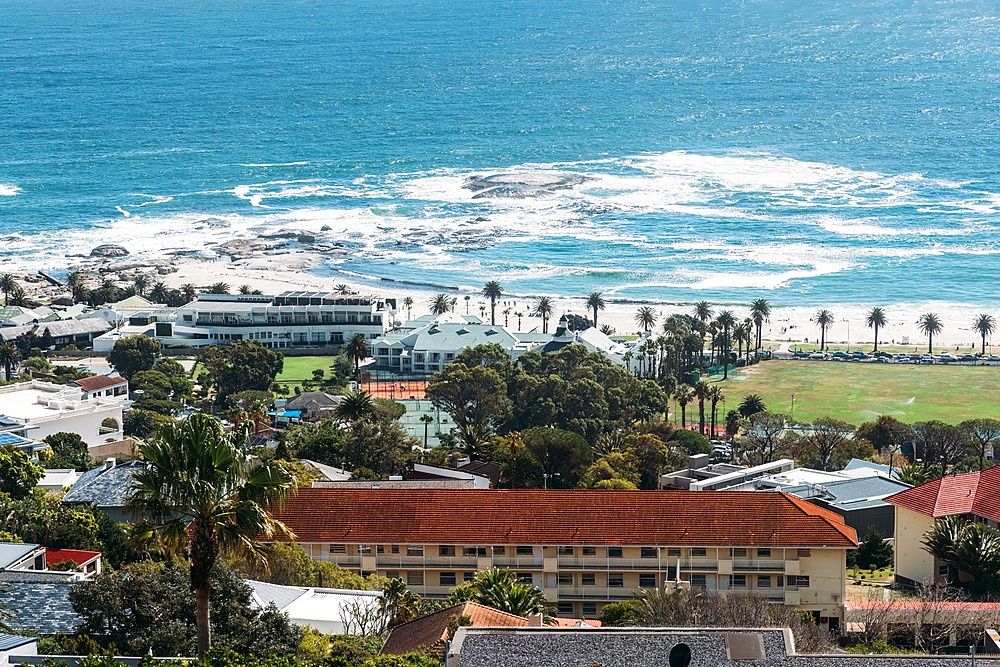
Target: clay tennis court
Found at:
395, 389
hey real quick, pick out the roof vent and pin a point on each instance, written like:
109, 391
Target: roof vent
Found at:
109, 463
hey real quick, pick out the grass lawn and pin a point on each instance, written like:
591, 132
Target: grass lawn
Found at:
860, 392
297, 369
858, 574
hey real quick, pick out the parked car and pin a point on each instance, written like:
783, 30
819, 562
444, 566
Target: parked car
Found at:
859, 354
927, 359
903, 359
882, 355
840, 356
948, 358
800, 354
969, 357
881, 360
994, 357
818, 355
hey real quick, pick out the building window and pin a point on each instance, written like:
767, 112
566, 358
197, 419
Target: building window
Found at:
468, 576
698, 551
614, 552
338, 548
763, 581
414, 551
738, 553
474, 551
565, 551
499, 551
673, 551
525, 577
446, 550
781, 581
589, 551
763, 553
447, 579
803, 553
524, 551
737, 581
392, 574
394, 549
616, 581
647, 581
587, 580
590, 609
648, 552
801, 581
565, 579
564, 609
698, 580
414, 578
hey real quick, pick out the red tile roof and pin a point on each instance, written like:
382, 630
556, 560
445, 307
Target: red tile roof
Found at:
431, 631
969, 493
78, 556
482, 517
98, 382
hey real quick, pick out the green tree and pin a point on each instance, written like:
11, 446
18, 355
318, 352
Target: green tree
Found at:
219, 288
7, 285
595, 302
727, 321
141, 283
873, 551
500, 589
967, 547
751, 405
760, 312
354, 406
885, 433
473, 396
562, 455
240, 366
876, 319
645, 317
930, 325
132, 354
321, 441
823, 319
620, 614
18, 475
8, 359
984, 434
440, 304
494, 292
206, 495
408, 304
702, 312
620, 466
358, 349
68, 451
827, 437
985, 325
543, 308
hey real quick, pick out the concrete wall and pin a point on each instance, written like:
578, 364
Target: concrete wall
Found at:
912, 562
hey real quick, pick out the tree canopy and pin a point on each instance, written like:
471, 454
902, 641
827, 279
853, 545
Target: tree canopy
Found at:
240, 366
132, 354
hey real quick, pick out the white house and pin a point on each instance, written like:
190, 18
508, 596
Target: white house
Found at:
328, 610
43, 408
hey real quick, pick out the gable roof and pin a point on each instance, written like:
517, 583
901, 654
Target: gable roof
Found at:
104, 486
968, 493
431, 631
14, 552
98, 382
58, 329
558, 517
41, 606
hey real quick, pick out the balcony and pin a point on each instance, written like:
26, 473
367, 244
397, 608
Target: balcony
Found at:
699, 565
595, 593
595, 563
518, 562
742, 565
343, 560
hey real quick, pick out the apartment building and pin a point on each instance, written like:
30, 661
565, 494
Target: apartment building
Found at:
584, 549
290, 319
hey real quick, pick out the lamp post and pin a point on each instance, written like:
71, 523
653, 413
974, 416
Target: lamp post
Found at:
545, 479
848, 332
792, 414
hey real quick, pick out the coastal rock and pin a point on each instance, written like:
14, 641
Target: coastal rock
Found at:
108, 250
520, 186
284, 234
242, 248
325, 228
306, 238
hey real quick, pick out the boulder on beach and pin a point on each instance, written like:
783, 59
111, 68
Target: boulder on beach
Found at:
108, 250
520, 186
306, 238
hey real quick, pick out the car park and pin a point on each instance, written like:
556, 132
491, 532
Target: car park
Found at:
800, 354
926, 359
858, 354
903, 359
969, 357
818, 355
948, 358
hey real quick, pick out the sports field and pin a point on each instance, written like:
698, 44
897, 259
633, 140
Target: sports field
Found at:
859, 392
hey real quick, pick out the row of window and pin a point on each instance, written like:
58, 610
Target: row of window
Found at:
525, 550
615, 580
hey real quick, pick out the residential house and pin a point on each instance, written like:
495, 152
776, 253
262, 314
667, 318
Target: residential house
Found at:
16, 645
106, 487
63, 332
18, 556
15, 433
88, 563
40, 606
97, 386
311, 405
972, 494
584, 548
430, 634
290, 319
330, 610
33, 562
42, 408
57, 479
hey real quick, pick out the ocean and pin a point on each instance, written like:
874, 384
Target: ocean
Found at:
837, 152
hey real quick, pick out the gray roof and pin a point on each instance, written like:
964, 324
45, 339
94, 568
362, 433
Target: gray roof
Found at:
450, 336
43, 607
103, 486
849, 494
281, 596
313, 400
11, 553
90, 325
860, 464
628, 647
7, 642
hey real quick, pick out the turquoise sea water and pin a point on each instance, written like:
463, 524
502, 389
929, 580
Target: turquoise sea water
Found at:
834, 152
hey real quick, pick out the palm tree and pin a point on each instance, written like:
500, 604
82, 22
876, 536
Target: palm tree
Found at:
427, 420
77, 288
715, 395
519, 316
160, 293
245, 289
595, 302
751, 405
408, 303
760, 312
543, 309
506, 317
701, 393
930, 324
358, 348
876, 320
18, 297
494, 292
398, 603
985, 325
354, 406
342, 288
684, 395
8, 359
467, 300
219, 288
703, 312
822, 319
727, 321
440, 304
7, 284
646, 318
208, 498
141, 283
500, 589
189, 292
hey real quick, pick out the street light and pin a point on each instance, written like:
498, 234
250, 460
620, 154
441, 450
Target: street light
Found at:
545, 479
848, 332
792, 415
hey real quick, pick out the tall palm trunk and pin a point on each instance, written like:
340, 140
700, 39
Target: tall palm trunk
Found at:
714, 409
984, 345
876, 339
701, 415
822, 338
204, 553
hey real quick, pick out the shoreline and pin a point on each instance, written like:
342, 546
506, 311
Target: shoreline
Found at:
288, 269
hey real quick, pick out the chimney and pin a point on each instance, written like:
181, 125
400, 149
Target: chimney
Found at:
109, 463
535, 621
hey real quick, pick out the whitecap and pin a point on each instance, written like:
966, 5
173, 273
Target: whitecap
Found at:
9, 190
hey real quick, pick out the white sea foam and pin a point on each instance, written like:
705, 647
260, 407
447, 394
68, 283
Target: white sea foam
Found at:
275, 164
124, 213
9, 190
